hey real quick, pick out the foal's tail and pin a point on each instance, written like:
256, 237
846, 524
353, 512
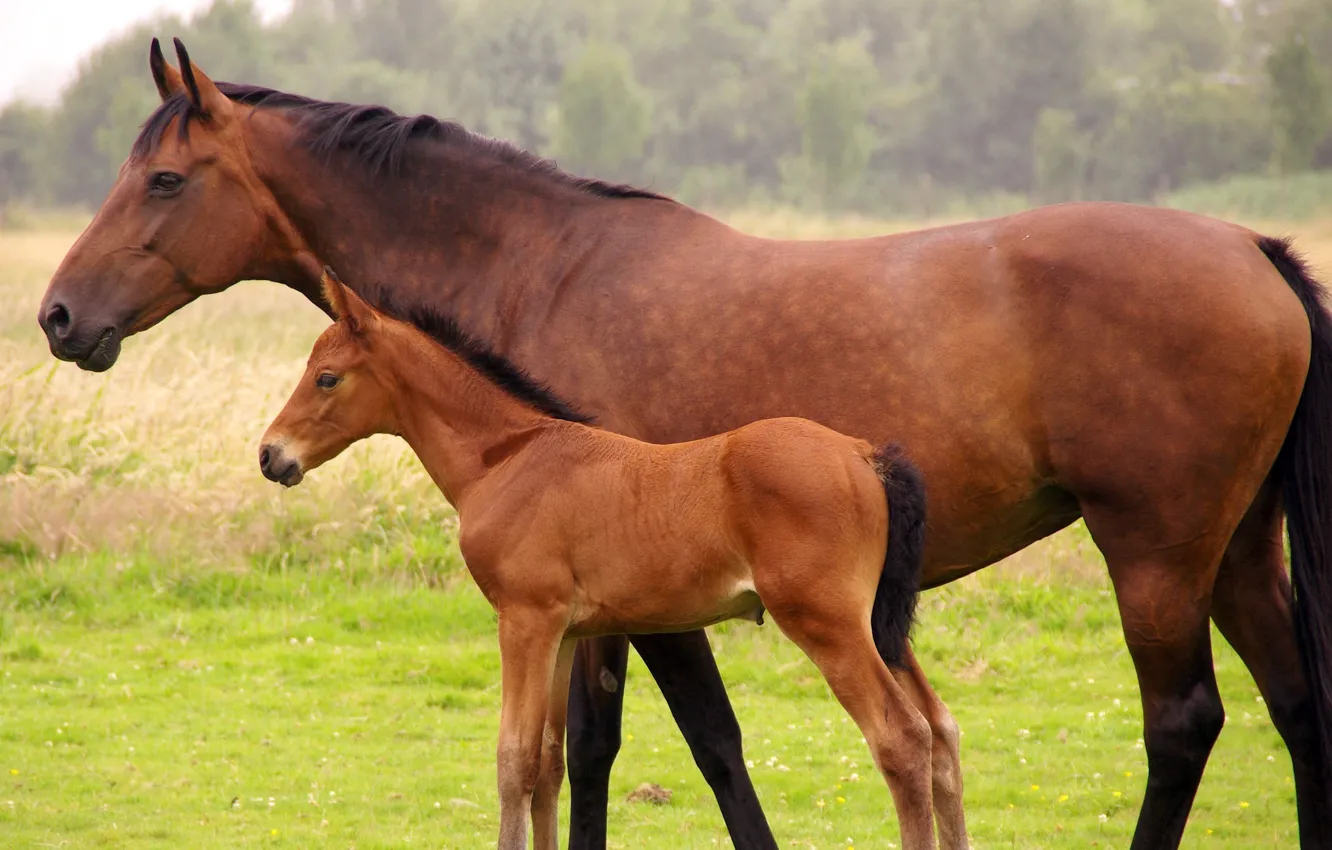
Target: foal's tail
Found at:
1305, 467
895, 599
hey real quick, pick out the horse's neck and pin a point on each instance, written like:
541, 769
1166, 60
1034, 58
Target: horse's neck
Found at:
457, 421
488, 243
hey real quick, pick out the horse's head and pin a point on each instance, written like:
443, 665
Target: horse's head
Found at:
187, 216
343, 396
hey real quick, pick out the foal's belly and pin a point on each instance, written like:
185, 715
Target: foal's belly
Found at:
647, 602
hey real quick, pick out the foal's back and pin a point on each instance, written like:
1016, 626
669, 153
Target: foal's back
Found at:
651, 538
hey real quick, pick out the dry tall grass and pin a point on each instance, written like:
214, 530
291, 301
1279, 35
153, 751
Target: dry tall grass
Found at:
157, 456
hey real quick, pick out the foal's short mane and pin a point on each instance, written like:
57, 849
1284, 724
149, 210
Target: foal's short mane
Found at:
376, 135
496, 368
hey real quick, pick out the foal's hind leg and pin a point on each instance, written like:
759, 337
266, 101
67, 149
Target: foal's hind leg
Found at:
1251, 606
946, 757
898, 735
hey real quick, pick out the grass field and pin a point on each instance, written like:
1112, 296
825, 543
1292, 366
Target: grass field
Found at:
192, 657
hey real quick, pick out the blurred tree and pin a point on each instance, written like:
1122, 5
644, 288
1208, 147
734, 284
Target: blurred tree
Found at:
22, 139
1062, 152
1300, 104
833, 112
603, 114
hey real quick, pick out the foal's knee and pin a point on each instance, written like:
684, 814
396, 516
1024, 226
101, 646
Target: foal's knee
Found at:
519, 770
903, 753
1180, 733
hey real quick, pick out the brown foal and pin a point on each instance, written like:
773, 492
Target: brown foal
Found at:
572, 531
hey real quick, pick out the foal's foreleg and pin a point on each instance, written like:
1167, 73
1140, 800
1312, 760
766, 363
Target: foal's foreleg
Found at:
546, 795
529, 646
946, 757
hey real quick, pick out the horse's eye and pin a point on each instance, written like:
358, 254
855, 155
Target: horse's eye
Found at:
327, 381
165, 183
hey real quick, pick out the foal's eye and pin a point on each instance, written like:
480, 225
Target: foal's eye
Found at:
327, 381
165, 183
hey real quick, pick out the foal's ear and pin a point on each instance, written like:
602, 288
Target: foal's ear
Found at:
347, 306
167, 78
203, 92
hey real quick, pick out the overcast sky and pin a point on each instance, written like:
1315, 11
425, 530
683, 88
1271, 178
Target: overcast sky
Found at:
42, 41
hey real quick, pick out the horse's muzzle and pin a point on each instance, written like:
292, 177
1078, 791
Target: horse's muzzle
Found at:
93, 347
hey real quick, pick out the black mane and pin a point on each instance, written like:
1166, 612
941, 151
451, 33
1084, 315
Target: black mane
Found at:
376, 135
496, 368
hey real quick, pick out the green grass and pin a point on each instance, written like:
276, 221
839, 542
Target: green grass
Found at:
146, 705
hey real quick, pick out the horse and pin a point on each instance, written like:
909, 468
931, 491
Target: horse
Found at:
821, 530
1164, 376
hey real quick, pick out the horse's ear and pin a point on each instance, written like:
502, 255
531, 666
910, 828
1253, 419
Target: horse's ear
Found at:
347, 306
203, 92
167, 78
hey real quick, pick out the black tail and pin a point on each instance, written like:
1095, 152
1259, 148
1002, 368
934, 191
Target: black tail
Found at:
1305, 466
895, 599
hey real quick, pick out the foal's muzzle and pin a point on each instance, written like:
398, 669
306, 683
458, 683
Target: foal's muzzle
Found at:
276, 466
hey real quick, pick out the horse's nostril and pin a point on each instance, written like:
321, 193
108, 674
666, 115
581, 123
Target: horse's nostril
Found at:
263, 458
58, 319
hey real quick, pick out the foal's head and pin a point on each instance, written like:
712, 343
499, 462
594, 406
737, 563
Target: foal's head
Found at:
343, 397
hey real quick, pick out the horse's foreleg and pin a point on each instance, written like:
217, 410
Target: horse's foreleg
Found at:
684, 669
546, 795
946, 757
529, 646
596, 700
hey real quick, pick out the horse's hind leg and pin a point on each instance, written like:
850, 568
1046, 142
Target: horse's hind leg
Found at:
898, 735
1251, 606
946, 757
1164, 595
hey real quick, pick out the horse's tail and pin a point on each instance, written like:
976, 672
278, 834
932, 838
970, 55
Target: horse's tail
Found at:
1305, 468
899, 583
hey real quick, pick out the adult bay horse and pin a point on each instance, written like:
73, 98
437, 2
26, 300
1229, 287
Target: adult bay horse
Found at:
616, 535
1165, 376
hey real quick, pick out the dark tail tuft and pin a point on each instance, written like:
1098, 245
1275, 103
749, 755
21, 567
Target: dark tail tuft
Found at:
1305, 466
899, 584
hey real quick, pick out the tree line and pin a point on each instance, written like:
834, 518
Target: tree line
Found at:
883, 106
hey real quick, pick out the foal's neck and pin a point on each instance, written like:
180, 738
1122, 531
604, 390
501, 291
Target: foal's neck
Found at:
459, 423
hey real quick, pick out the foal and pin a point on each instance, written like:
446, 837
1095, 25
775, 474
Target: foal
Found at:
571, 531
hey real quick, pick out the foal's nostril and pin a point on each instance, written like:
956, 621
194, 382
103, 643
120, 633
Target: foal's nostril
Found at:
264, 458
58, 319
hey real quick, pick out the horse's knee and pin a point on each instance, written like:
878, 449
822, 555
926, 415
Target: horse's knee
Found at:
1292, 710
1180, 732
720, 754
592, 747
